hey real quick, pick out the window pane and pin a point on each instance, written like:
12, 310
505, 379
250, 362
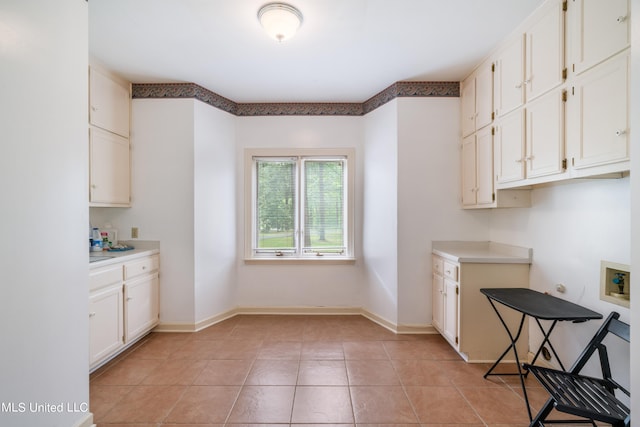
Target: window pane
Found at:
324, 206
276, 204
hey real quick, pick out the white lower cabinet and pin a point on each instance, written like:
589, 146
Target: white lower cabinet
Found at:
106, 322
437, 293
141, 305
464, 316
123, 306
450, 310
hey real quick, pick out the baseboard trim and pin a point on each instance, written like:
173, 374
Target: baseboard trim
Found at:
321, 311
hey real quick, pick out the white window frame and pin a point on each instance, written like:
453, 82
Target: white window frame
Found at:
250, 206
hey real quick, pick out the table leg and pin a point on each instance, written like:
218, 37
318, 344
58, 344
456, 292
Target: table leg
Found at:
514, 340
545, 340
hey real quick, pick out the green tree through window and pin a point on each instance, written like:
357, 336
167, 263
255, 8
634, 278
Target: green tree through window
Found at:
300, 205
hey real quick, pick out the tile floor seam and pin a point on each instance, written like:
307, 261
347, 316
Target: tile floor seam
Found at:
475, 411
406, 395
235, 401
174, 405
295, 391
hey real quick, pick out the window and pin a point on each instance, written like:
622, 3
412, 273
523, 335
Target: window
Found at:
300, 204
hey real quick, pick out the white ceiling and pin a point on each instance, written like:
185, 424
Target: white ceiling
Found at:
345, 50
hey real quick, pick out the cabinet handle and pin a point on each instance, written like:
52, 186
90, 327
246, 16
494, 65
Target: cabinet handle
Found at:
144, 267
526, 82
519, 85
93, 108
129, 298
621, 132
92, 314
621, 19
519, 160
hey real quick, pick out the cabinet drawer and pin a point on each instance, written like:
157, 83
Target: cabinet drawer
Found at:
142, 266
451, 271
102, 277
438, 265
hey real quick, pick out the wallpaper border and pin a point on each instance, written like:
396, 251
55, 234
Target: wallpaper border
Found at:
396, 90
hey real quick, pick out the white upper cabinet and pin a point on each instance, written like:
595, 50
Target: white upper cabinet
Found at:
469, 187
509, 77
544, 137
109, 169
530, 141
109, 103
484, 167
560, 99
544, 57
468, 105
476, 93
599, 30
509, 143
598, 119
484, 95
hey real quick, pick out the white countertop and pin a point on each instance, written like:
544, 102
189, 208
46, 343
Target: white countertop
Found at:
142, 248
482, 252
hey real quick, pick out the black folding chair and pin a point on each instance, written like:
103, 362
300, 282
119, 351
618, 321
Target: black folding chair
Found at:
593, 399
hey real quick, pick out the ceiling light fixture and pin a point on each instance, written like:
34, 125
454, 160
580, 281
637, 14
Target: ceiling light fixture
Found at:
280, 20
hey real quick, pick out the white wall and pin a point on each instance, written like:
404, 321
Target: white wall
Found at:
634, 116
183, 193
428, 198
43, 171
571, 228
380, 193
213, 211
162, 198
273, 286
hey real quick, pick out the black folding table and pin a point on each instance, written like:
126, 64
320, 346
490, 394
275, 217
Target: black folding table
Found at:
539, 306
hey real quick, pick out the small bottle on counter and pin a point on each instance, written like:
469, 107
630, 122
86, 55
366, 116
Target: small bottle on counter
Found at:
96, 240
105, 240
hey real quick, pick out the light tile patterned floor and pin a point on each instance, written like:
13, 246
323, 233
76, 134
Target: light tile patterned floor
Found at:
283, 370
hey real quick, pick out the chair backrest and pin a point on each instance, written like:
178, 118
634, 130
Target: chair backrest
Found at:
612, 325
619, 328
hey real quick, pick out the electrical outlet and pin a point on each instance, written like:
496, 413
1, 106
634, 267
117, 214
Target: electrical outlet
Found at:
134, 232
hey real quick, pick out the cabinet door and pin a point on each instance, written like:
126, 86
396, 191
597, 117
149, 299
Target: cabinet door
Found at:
601, 29
109, 168
545, 135
484, 96
109, 103
509, 142
437, 296
509, 77
545, 51
141, 305
469, 187
105, 323
484, 166
599, 114
450, 327
468, 105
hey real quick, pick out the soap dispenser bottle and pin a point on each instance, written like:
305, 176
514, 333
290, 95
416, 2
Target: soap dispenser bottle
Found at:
96, 240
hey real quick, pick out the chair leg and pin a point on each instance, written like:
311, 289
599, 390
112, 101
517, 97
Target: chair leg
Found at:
542, 414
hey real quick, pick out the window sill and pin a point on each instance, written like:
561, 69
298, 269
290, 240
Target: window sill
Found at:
298, 261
